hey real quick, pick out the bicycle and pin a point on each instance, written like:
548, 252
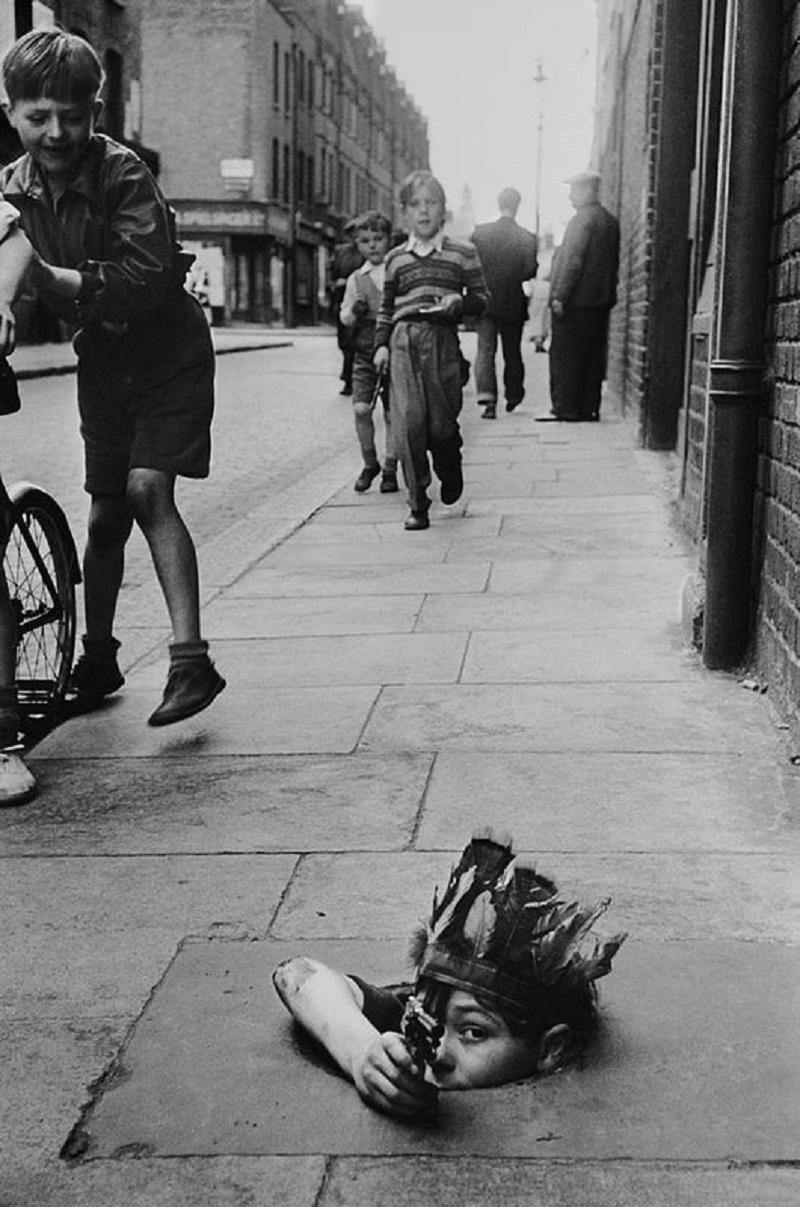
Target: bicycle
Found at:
42, 572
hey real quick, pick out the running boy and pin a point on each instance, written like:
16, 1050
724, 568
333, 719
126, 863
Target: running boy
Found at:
505, 973
106, 259
430, 282
359, 311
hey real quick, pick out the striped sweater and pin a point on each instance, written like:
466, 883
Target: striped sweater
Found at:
414, 281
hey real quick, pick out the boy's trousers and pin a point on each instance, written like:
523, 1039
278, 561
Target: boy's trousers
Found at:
365, 380
425, 375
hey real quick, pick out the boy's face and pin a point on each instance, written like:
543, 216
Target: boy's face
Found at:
478, 1048
54, 133
373, 246
425, 212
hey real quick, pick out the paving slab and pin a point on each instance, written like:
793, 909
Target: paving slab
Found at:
541, 611
691, 895
599, 576
568, 542
244, 720
678, 1074
629, 505
257, 804
191, 1182
93, 936
652, 653
372, 590
707, 715
288, 606
333, 661
616, 802
455, 1182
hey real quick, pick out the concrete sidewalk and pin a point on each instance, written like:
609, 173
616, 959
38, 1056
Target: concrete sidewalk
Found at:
519, 664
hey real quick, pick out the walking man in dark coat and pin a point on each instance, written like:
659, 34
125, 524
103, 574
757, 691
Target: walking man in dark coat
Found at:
508, 254
583, 289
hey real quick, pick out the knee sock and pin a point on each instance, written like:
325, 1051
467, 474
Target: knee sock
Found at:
102, 649
184, 653
9, 717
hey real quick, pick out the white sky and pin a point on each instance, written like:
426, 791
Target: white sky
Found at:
469, 65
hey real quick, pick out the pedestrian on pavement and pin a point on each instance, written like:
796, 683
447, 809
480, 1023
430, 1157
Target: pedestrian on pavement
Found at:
17, 784
505, 989
583, 289
359, 313
105, 257
431, 280
346, 259
508, 254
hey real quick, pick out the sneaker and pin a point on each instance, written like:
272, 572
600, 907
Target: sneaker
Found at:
17, 784
452, 486
366, 477
95, 678
417, 521
191, 687
388, 482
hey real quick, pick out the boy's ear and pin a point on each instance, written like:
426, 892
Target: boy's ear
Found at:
97, 109
554, 1047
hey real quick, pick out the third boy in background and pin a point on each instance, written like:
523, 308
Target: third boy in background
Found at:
358, 313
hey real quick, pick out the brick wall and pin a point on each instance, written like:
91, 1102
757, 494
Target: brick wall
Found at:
777, 641
625, 151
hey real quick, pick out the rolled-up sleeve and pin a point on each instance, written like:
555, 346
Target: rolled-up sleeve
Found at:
9, 219
142, 264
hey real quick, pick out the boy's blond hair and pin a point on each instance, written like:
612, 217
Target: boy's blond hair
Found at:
54, 64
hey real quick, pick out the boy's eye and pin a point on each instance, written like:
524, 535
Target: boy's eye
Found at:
473, 1034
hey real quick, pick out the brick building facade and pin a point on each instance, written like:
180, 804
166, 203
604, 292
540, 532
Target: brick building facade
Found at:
698, 130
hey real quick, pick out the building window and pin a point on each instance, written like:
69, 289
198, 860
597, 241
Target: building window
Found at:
310, 178
287, 171
276, 75
276, 169
114, 106
301, 77
287, 81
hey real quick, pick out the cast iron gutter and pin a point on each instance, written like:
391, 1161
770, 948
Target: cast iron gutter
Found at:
736, 389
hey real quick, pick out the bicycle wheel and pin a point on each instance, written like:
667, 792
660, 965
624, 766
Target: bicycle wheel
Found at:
41, 568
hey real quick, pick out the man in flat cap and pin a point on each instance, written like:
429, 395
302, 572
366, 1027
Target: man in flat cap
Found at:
583, 289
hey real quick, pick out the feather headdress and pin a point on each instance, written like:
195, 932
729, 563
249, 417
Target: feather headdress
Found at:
501, 929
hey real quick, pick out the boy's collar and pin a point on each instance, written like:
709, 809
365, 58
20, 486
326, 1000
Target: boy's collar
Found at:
26, 177
423, 247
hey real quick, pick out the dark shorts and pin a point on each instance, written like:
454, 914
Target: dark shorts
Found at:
146, 399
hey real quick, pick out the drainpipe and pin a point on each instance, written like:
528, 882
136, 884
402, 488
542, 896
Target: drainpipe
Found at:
737, 370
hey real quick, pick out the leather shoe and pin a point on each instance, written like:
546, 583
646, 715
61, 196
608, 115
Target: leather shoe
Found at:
191, 686
490, 411
512, 406
452, 486
416, 521
365, 478
388, 483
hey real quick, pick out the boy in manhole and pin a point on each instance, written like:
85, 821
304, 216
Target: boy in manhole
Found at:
504, 989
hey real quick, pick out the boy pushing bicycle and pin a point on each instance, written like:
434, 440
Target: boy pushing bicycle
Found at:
104, 256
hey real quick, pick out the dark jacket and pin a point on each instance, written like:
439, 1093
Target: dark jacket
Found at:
585, 271
114, 225
508, 254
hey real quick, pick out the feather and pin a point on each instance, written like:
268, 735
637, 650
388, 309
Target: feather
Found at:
479, 926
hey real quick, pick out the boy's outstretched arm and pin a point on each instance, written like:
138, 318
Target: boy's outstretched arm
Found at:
16, 255
328, 1005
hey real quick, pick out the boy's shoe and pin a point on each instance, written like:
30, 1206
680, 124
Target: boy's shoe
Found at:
366, 478
452, 486
388, 482
512, 404
490, 411
416, 521
346, 390
17, 784
191, 687
95, 678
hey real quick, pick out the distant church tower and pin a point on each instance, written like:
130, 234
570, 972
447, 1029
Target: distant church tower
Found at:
462, 222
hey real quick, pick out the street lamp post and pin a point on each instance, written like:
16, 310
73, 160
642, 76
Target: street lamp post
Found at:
539, 79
